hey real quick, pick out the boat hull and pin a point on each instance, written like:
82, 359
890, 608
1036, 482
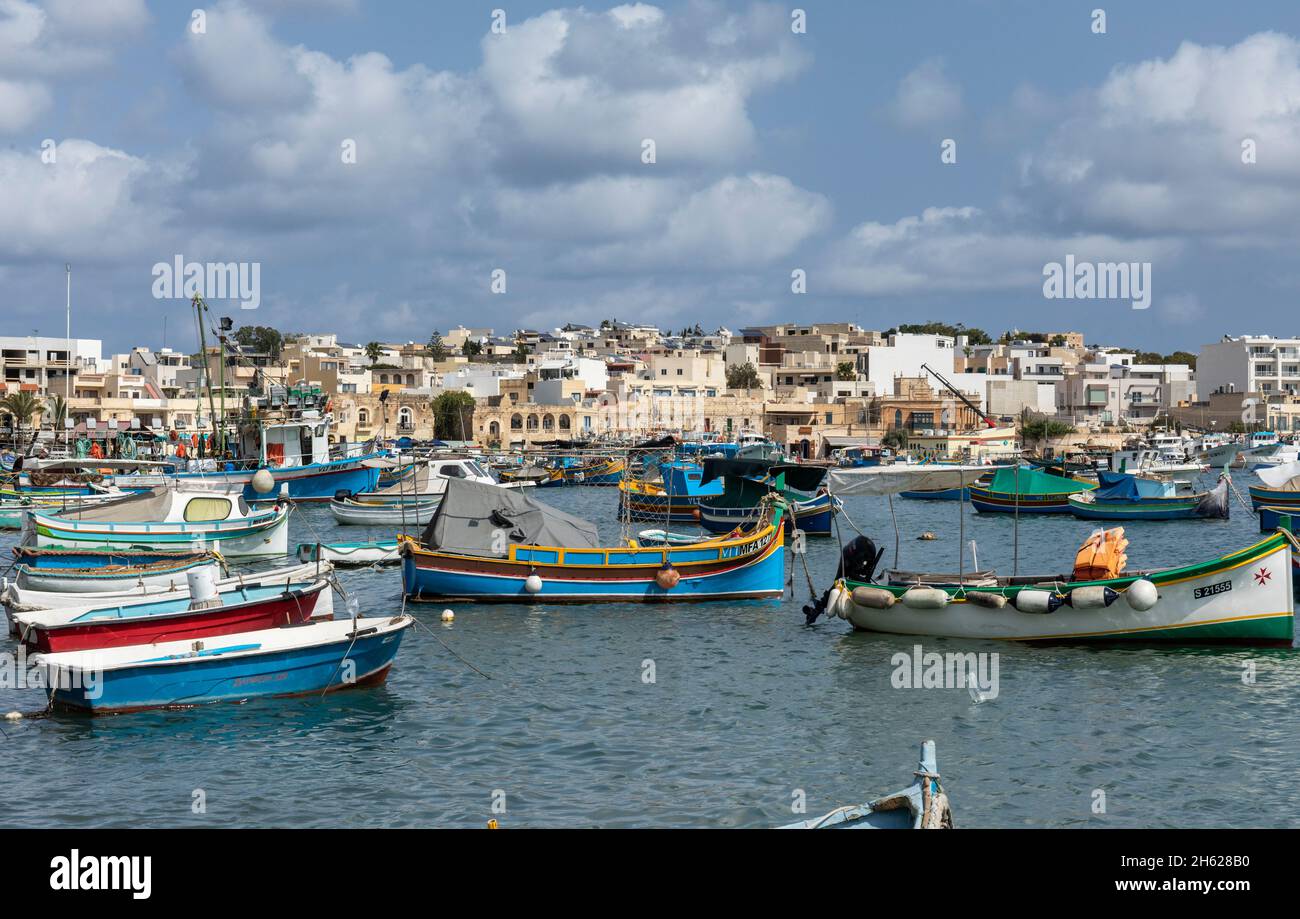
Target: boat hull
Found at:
393, 515
349, 554
265, 534
1244, 597
205, 680
993, 502
99, 579
813, 517
286, 608
747, 569
1146, 509
1270, 497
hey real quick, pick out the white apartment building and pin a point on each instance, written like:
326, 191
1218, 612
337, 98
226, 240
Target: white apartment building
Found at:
41, 365
903, 357
1249, 363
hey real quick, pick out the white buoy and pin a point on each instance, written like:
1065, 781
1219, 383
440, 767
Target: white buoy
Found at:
448, 615
13, 716
533, 584
1141, 595
833, 601
263, 481
925, 598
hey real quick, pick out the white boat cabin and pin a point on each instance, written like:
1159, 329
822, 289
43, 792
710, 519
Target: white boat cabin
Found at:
296, 443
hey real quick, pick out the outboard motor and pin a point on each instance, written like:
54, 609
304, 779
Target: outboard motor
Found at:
858, 562
342, 494
859, 559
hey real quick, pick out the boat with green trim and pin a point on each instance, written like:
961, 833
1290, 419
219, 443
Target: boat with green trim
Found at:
1127, 497
1027, 490
1242, 597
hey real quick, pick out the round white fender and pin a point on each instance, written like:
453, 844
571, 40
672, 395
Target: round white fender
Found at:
833, 601
1141, 595
1037, 601
925, 598
533, 584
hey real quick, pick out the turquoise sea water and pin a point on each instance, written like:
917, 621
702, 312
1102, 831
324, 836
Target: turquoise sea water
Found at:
748, 710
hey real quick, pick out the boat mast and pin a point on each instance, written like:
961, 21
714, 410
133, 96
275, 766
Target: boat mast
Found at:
199, 307
67, 371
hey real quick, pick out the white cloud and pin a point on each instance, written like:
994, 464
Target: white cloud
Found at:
98, 18
236, 64
961, 249
927, 97
20, 103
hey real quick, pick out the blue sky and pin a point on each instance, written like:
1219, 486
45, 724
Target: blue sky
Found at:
775, 151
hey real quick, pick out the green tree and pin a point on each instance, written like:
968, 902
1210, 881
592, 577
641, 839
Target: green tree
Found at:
436, 348
453, 415
1035, 427
374, 350
895, 439
521, 353
21, 406
471, 348
846, 370
262, 339
58, 411
743, 376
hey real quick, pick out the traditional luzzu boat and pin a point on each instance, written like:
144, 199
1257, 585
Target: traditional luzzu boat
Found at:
313, 657
1026, 490
604, 471
350, 554
488, 543
675, 498
1241, 597
152, 620
746, 483
920, 806
169, 518
1281, 487
531, 475
1126, 497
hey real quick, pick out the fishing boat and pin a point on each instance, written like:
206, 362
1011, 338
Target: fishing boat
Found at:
152, 620
430, 478
1281, 487
674, 498
190, 518
393, 514
605, 471
530, 475
1241, 597
488, 543
1026, 490
669, 538
99, 578
937, 494
349, 554
1121, 496
312, 657
920, 806
98, 557
18, 599
747, 482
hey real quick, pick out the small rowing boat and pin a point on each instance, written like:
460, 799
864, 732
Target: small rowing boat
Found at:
393, 514
920, 806
349, 554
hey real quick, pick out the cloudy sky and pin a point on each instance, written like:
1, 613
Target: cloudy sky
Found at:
522, 149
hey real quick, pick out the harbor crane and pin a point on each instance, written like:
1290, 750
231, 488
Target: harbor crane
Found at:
956, 392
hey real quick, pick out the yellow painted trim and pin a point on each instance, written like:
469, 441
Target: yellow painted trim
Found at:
1162, 628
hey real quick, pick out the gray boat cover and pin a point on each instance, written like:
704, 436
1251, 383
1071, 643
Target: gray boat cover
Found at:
471, 513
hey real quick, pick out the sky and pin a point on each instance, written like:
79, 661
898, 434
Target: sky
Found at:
396, 167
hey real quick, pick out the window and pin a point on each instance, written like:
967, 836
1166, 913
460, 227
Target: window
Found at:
363, 416
205, 509
451, 471
516, 422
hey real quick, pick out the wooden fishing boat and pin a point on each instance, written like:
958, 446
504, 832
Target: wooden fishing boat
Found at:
668, 538
607, 471
1280, 488
920, 806
350, 554
1026, 490
96, 557
180, 518
18, 599
530, 475
390, 514
1243, 596
159, 574
151, 620
1125, 497
675, 498
747, 483
490, 544
313, 657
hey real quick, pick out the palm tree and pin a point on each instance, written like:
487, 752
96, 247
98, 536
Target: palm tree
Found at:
58, 411
374, 350
22, 406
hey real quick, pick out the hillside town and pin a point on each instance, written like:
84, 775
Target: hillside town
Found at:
811, 388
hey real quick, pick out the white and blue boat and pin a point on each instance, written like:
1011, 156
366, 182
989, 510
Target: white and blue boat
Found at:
305, 658
923, 805
1121, 496
746, 483
169, 518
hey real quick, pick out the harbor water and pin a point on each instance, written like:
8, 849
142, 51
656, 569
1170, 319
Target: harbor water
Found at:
710, 715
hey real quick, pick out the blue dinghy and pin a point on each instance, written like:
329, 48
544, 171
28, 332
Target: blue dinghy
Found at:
920, 806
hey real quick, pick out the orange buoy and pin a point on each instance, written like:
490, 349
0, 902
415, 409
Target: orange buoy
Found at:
667, 576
